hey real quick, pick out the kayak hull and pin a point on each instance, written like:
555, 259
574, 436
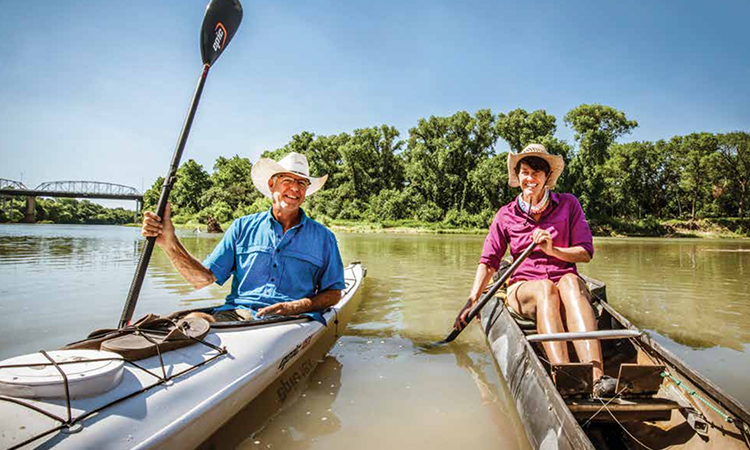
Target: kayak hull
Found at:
263, 364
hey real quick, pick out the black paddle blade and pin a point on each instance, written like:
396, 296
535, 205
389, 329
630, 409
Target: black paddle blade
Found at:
221, 21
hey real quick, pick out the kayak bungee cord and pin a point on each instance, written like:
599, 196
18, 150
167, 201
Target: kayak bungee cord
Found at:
71, 421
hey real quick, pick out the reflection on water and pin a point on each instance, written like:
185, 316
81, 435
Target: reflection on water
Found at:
386, 394
695, 292
378, 387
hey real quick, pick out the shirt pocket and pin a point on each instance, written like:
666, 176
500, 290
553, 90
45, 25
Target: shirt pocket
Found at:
301, 272
253, 266
559, 228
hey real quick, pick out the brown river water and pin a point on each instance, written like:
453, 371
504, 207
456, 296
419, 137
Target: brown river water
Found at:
377, 388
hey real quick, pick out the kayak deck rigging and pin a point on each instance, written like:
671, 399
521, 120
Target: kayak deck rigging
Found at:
176, 398
71, 422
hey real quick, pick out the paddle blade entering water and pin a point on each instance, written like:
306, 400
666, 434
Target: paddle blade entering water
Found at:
221, 21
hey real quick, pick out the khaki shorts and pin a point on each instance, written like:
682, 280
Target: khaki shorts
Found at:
511, 291
233, 315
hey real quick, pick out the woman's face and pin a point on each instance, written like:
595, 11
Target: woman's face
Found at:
532, 182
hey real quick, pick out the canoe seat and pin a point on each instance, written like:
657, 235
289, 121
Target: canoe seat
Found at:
573, 379
624, 410
639, 379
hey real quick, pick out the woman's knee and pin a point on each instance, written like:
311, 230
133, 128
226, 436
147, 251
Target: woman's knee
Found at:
572, 285
548, 295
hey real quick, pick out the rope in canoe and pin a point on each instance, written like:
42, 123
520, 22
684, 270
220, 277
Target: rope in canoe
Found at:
604, 407
693, 393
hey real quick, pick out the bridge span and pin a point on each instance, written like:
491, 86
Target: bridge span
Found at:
68, 189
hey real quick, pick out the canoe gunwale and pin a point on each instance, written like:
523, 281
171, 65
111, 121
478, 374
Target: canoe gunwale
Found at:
511, 351
498, 326
659, 351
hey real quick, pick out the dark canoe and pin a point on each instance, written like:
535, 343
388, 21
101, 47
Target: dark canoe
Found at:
654, 410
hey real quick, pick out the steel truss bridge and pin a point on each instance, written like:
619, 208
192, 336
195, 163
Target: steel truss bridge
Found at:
68, 189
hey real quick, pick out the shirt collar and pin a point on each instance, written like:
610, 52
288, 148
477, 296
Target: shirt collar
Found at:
302, 221
554, 199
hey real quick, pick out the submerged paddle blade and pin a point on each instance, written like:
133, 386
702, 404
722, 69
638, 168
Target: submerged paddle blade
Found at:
221, 21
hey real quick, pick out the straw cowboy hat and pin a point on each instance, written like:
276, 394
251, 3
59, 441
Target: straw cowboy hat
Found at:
293, 163
555, 162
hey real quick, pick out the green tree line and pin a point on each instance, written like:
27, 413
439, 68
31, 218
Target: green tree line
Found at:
65, 210
448, 171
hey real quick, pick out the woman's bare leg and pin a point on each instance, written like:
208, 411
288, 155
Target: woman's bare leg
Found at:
540, 299
579, 316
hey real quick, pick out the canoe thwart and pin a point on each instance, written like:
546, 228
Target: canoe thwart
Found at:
583, 335
574, 379
624, 410
639, 379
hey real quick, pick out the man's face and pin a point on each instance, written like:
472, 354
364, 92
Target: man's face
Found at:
288, 190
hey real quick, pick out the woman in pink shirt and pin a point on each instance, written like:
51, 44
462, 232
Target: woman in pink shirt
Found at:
546, 286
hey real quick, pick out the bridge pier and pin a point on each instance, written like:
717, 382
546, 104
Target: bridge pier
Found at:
30, 216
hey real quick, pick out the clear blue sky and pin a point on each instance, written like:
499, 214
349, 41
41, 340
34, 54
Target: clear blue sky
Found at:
98, 90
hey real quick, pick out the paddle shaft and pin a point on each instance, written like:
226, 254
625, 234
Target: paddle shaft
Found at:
166, 188
491, 292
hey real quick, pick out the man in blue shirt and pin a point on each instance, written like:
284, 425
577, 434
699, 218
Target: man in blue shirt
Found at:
281, 261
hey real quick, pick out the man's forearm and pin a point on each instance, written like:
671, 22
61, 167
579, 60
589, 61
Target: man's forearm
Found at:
319, 302
190, 268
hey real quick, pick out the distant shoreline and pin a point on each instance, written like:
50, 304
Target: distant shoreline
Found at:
717, 228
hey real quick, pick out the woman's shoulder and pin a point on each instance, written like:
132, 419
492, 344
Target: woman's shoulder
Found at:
564, 197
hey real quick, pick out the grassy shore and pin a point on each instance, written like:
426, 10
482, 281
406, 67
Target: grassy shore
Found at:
723, 228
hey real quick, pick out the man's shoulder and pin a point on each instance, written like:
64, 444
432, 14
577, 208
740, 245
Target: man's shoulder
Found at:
253, 218
251, 221
318, 228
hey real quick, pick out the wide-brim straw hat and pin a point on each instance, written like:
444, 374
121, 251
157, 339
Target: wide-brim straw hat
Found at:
556, 164
293, 163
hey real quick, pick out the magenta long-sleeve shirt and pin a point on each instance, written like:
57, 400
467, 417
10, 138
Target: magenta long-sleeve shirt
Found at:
566, 223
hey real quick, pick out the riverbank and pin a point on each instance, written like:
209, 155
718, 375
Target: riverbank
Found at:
714, 228
722, 228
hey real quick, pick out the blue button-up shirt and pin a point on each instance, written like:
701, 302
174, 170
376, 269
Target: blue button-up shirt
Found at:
269, 266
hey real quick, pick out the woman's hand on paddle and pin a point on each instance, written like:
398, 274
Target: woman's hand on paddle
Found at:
463, 315
543, 239
154, 226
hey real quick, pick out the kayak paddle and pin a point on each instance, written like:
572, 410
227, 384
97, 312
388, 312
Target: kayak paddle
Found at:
220, 23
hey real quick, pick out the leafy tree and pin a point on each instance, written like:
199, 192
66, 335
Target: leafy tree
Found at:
519, 128
442, 151
695, 152
596, 128
636, 178
489, 183
231, 185
151, 196
192, 182
733, 165
369, 162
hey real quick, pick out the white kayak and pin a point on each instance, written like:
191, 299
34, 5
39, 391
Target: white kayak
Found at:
206, 394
